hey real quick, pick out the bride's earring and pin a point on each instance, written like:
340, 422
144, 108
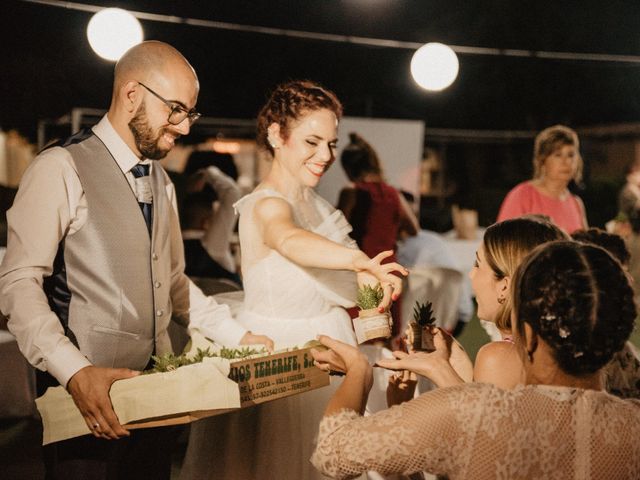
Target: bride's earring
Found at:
501, 300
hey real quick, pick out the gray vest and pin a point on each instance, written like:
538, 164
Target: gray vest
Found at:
118, 278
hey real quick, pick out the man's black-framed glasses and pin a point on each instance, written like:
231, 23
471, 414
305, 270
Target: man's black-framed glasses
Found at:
177, 113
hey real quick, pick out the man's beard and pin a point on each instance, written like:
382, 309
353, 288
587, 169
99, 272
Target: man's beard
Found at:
146, 142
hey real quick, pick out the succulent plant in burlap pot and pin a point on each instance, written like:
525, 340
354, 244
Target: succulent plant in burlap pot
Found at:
421, 329
371, 324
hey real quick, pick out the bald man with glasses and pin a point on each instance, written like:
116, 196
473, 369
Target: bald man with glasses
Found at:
94, 268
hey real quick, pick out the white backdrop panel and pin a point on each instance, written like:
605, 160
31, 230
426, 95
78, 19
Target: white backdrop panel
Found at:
399, 144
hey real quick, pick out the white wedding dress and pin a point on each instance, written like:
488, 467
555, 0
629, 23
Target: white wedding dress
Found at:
292, 305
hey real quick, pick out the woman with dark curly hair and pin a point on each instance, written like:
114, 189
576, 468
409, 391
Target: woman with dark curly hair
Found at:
622, 374
299, 268
573, 310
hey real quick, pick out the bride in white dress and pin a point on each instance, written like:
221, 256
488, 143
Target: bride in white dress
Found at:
299, 270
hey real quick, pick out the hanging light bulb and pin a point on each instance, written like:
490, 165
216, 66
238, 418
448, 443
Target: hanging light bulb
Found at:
434, 66
113, 31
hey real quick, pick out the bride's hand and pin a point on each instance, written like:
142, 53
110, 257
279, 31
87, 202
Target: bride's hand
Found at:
372, 271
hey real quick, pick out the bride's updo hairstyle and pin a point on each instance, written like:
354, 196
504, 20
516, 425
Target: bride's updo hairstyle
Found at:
577, 298
290, 101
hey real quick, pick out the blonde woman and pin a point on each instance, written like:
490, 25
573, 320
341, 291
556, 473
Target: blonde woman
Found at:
504, 246
556, 162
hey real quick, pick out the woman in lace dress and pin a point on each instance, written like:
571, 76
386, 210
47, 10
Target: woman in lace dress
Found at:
573, 309
299, 270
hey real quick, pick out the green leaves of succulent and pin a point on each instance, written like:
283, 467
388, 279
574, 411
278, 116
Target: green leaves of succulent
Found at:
168, 361
369, 297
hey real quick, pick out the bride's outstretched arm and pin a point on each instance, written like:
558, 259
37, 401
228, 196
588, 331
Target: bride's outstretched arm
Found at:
279, 232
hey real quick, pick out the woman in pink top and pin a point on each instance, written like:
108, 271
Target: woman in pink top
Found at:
556, 162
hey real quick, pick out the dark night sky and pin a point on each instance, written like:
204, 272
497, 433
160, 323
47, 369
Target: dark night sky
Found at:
49, 68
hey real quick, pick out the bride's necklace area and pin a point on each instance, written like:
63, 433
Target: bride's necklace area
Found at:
304, 207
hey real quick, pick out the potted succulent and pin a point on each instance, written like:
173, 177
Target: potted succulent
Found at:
371, 324
420, 331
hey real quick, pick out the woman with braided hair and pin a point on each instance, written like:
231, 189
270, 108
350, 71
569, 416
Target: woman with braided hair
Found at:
300, 268
573, 310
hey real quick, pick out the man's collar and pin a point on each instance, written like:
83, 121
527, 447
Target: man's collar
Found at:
123, 155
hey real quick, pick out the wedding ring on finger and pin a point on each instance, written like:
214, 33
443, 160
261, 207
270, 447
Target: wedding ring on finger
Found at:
95, 426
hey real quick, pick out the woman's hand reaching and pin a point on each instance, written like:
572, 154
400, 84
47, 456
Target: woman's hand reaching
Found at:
372, 271
448, 365
354, 389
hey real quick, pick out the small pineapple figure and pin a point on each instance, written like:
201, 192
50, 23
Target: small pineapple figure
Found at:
419, 331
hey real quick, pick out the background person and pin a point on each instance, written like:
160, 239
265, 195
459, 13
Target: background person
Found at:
198, 214
376, 211
209, 219
629, 207
556, 162
215, 174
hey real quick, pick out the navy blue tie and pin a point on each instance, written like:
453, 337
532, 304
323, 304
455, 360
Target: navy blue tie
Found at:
142, 170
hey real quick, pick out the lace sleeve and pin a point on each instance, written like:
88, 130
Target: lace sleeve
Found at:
420, 435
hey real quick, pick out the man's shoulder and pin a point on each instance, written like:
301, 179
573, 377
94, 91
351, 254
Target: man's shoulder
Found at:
78, 137
56, 156
52, 159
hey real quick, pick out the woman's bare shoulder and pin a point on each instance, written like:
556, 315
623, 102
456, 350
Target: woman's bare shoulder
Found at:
268, 207
498, 363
